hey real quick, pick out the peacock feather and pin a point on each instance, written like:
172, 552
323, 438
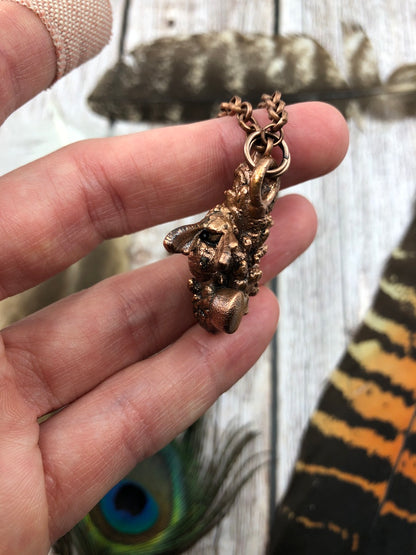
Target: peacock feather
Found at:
170, 500
354, 485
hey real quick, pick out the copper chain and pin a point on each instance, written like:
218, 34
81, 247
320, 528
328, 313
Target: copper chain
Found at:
244, 111
261, 139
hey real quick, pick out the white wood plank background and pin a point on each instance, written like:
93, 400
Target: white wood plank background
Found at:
363, 208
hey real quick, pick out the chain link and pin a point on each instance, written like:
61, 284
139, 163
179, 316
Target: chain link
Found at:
274, 105
261, 139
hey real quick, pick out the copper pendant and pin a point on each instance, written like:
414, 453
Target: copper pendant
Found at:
224, 249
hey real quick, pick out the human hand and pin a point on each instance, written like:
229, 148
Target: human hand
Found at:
124, 357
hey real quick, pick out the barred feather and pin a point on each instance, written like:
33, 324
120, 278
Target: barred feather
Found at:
354, 484
186, 78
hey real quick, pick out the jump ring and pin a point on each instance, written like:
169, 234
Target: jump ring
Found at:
276, 132
279, 170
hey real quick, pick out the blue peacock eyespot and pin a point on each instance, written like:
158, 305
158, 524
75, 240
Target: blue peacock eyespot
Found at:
129, 508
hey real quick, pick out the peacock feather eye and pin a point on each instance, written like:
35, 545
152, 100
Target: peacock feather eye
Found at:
168, 501
129, 508
142, 507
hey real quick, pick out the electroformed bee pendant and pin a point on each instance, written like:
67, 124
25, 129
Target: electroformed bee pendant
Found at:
224, 249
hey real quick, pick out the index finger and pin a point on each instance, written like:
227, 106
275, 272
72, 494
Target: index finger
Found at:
56, 209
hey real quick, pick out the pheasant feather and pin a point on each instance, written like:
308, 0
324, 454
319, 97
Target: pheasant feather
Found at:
354, 485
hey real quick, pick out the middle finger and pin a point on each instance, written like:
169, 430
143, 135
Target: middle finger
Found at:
68, 348
57, 209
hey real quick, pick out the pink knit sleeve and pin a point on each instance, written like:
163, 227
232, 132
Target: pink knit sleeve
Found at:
79, 29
